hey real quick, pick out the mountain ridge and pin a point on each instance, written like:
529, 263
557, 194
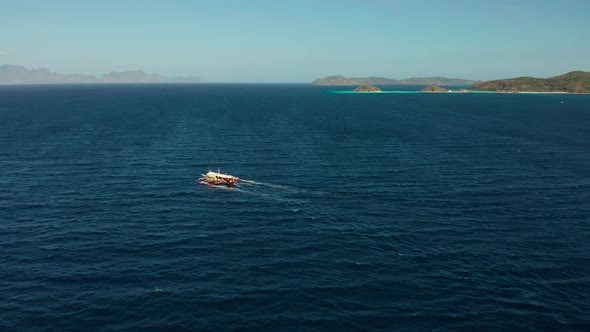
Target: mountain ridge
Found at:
15, 74
342, 80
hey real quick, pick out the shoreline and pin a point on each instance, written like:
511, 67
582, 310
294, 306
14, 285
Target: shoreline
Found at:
453, 92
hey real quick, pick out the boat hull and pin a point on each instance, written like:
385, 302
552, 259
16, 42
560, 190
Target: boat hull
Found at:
211, 183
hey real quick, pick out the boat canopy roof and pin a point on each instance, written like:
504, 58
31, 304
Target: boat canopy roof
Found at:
219, 175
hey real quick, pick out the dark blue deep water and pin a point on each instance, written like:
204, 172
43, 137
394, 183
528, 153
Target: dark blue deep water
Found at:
405, 212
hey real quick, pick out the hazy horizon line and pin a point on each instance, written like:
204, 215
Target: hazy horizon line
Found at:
201, 80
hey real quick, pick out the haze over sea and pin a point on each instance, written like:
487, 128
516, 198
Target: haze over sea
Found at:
405, 212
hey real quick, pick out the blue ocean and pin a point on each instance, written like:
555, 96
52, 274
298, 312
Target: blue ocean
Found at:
360, 212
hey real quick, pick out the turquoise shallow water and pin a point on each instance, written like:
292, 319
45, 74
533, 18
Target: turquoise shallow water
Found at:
353, 92
380, 212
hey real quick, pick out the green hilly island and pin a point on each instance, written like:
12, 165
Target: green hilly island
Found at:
367, 88
572, 82
434, 88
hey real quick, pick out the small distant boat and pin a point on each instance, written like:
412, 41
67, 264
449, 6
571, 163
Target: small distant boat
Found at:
218, 179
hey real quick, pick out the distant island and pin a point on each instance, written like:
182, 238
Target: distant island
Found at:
13, 74
341, 80
434, 88
572, 82
367, 88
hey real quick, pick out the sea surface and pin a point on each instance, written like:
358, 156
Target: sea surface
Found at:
369, 212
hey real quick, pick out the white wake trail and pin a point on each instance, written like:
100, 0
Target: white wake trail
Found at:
283, 187
272, 185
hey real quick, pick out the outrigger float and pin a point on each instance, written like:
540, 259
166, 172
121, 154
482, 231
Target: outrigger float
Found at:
213, 179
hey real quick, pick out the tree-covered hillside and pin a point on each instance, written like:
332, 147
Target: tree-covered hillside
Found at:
572, 82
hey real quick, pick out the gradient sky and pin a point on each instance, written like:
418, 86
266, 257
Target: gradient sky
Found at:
298, 41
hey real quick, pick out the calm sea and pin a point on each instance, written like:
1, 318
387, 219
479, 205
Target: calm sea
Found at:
391, 212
